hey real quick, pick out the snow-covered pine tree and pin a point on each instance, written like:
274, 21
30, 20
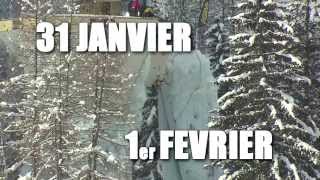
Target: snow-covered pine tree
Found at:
314, 64
47, 139
57, 128
52, 134
102, 107
266, 81
303, 17
218, 46
149, 137
9, 97
32, 84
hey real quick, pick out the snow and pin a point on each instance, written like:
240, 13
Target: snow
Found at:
240, 16
278, 123
293, 58
27, 2
289, 107
82, 102
211, 124
130, 76
227, 103
285, 26
273, 112
44, 126
290, 166
299, 78
235, 57
288, 104
111, 159
306, 147
38, 82
269, 2
275, 167
263, 82
239, 36
314, 10
235, 78
252, 39
3, 104
91, 116
240, 5
17, 78
27, 177
227, 95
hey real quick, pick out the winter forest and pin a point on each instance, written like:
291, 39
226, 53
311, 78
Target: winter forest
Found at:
63, 116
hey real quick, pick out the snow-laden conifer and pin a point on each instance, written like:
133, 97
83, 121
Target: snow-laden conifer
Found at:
149, 137
218, 47
267, 82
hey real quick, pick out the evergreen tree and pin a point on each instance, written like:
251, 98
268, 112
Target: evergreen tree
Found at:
8, 112
314, 47
267, 80
43, 113
149, 137
218, 46
102, 106
303, 17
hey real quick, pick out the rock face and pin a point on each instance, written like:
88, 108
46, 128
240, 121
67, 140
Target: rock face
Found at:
185, 96
184, 102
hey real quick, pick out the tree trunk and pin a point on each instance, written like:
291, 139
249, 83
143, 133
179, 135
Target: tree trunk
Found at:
35, 116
